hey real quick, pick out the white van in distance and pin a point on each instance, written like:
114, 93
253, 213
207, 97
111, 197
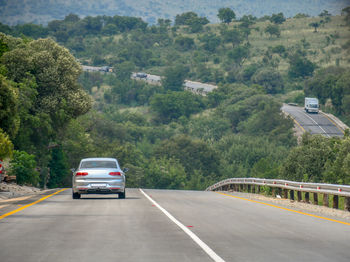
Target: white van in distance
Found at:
311, 105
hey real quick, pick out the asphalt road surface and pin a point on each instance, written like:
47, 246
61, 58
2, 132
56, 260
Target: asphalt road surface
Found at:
313, 123
104, 228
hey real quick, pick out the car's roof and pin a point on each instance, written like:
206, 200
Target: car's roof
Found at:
99, 159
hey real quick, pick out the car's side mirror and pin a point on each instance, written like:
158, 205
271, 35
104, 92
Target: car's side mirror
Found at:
72, 169
125, 169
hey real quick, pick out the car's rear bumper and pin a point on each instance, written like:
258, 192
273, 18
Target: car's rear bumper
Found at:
98, 190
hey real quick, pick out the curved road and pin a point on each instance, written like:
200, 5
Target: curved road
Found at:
313, 123
103, 228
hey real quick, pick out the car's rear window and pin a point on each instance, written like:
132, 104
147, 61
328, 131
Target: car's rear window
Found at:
98, 164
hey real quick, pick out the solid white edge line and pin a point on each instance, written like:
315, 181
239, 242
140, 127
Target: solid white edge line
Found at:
194, 237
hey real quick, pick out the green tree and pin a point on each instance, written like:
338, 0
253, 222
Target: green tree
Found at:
239, 54
300, 66
226, 15
58, 169
210, 42
325, 13
56, 72
185, 18
6, 146
279, 49
123, 70
49, 95
337, 171
323, 85
9, 119
315, 25
340, 94
3, 47
164, 174
270, 79
240, 153
346, 12
277, 18
273, 30
196, 25
210, 128
193, 155
32, 30
173, 105
23, 165
309, 161
174, 77
184, 43
247, 21
233, 36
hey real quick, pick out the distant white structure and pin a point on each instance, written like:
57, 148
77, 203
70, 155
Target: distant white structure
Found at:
199, 88
194, 87
106, 69
151, 79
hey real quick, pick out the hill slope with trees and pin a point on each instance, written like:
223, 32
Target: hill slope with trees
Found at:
168, 137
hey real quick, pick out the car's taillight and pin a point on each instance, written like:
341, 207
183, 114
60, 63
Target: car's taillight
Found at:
81, 174
115, 174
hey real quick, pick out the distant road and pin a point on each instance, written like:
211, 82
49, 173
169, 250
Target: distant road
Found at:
313, 123
106, 229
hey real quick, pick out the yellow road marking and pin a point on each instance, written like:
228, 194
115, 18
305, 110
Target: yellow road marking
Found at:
287, 209
341, 130
299, 125
31, 204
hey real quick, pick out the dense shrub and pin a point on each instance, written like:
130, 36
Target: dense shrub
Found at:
23, 166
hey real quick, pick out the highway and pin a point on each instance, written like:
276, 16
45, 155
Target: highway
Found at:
104, 228
313, 123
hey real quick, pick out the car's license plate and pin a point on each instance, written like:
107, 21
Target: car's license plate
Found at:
98, 185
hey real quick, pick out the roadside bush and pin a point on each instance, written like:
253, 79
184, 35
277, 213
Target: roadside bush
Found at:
270, 79
6, 145
23, 166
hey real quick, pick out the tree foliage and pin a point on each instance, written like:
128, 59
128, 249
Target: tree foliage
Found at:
193, 154
8, 107
39, 96
23, 165
174, 77
277, 18
226, 15
315, 25
168, 138
6, 146
270, 79
300, 66
58, 169
173, 105
273, 30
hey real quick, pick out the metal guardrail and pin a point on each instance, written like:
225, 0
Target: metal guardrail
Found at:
331, 189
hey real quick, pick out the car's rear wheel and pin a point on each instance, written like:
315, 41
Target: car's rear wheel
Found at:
122, 195
76, 195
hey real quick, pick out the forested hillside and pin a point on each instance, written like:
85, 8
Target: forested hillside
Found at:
42, 11
170, 138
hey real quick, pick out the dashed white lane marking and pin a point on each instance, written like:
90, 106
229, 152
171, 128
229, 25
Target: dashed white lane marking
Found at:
194, 237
